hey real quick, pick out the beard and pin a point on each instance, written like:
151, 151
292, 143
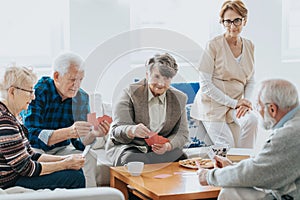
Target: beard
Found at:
267, 122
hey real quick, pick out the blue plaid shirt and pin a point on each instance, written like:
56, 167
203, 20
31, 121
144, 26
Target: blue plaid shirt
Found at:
49, 112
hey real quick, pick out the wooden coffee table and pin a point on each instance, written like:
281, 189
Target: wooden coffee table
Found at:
182, 184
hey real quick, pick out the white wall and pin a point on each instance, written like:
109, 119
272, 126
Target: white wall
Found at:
96, 21
265, 30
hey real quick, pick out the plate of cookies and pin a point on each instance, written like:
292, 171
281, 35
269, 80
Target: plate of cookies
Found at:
192, 163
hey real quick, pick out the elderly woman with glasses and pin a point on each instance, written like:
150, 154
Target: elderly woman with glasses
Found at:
227, 81
19, 164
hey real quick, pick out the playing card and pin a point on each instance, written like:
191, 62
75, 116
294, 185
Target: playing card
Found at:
86, 150
162, 176
91, 118
105, 117
154, 138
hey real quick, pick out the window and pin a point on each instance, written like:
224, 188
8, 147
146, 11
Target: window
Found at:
290, 31
33, 31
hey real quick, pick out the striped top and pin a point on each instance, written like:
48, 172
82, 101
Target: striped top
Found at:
16, 156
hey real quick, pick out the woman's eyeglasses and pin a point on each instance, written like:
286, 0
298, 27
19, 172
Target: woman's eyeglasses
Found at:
30, 91
236, 22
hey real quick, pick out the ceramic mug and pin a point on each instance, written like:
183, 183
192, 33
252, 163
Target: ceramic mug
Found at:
134, 168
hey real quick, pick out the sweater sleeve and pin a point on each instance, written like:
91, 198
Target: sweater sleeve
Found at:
13, 148
273, 168
213, 92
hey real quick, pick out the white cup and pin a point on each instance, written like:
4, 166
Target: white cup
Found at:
134, 168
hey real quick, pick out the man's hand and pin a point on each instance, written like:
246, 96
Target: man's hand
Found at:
222, 161
102, 130
80, 129
140, 131
161, 148
202, 176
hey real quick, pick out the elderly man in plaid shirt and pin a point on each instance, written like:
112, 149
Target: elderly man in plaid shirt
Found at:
58, 115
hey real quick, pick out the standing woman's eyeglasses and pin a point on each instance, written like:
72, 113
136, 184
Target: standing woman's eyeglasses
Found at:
30, 91
236, 22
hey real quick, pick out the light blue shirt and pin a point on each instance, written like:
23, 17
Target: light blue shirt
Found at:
286, 117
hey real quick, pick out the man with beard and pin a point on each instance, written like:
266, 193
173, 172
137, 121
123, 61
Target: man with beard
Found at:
274, 173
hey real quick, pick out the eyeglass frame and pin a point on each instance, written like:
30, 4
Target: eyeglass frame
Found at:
230, 22
30, 91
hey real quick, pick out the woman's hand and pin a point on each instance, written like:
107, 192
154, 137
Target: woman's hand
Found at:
243, 106
74, 161
245, 103
140, 131
242, 111
161, 148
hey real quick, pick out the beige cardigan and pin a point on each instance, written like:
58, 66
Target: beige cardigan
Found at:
132, 109
228, 75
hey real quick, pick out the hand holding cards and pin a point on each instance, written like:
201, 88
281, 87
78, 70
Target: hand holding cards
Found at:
154, 138
100, 126
91, 118
105, 118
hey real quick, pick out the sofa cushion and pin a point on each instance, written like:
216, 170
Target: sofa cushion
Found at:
107, 193
103, 168
190, 89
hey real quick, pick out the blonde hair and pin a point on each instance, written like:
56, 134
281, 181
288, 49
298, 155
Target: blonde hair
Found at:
237, 6
16, 76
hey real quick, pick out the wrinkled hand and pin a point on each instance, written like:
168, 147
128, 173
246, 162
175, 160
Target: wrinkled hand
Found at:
140, 131
74, 161
242, 111
222, 161
202, 176
161, 148
244, 102
103, 129
80, 129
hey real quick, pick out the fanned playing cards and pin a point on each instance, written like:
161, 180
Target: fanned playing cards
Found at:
154, 138
91, 118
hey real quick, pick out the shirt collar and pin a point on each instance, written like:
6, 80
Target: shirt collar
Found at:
286, 117
160, 97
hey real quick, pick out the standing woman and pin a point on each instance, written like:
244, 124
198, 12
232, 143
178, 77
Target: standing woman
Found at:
19, 164
227, 81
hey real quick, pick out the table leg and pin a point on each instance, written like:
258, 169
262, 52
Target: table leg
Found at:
120, 185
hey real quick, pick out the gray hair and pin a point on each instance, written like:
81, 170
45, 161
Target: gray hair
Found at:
281, 92
16, 76
165, 63
63, 61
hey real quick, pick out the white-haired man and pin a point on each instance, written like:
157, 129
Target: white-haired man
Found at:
274, 173
58, 115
